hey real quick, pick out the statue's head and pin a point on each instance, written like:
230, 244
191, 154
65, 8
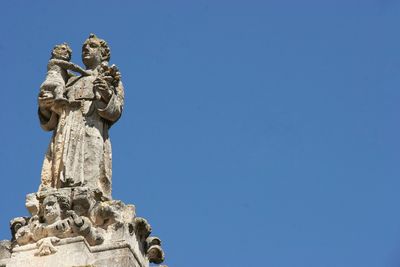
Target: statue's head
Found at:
62, 51
51, 209
95, 51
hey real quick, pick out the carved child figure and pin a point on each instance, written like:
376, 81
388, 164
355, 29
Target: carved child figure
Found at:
57, 73
53, 224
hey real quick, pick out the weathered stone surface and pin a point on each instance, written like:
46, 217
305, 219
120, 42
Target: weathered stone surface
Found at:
57, 72
79, 153
76, 252
154, 251
77, 220
5, 249
73, 219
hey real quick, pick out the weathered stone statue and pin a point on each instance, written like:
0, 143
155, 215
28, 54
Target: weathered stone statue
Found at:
73, 220
79, 153
57, 73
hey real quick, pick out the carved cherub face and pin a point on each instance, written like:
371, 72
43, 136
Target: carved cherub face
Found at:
62, 51
52, 211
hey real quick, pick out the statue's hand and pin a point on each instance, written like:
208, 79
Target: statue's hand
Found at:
78, 221
101, 87
62, 226
46, 99
45, 94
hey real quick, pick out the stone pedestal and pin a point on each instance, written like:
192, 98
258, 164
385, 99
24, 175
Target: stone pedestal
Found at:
76, 252
77, 227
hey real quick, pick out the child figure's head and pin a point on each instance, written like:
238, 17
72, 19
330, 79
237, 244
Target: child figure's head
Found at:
62, 51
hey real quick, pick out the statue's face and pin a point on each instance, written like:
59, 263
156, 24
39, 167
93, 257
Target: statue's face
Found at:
52, 211
61, 52
91, 53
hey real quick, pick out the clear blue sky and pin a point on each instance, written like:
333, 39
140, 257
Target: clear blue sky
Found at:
255, 133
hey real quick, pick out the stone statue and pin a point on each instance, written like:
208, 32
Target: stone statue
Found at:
73, 217
79, 153
57, 73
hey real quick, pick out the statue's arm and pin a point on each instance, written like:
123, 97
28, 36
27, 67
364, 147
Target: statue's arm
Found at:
111, 110
69, 66
48, 119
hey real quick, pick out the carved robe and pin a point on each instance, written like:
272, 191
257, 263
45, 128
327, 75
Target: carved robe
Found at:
79, 153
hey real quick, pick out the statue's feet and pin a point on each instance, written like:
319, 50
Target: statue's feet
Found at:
70, 182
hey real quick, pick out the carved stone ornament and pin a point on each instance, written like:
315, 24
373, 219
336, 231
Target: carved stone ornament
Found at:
74, 202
